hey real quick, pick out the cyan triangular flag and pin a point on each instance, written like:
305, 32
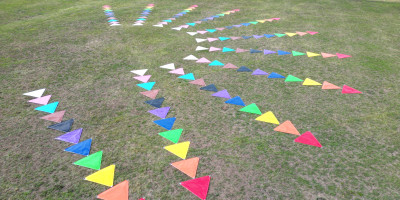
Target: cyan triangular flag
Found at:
187, 76
49, 108
64, 126
255, 51
156, 102
147, 85
166, 123
167, 20
275, 75
236, 101
191, 24
226, 49
224, 38
216, 63
244, 69
209, 88
82, 148
211, 30
283, 52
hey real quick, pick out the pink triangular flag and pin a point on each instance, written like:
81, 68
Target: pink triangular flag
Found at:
185, 26
220, 29
270, 20
238, 50
202, 32
41, 100
230, 66
236, 38
311, 32
197, 22
349, 90
163, 23
203, 60
144, 78
178, 71
214, 49
276, 18
339, 55
301, 33
199, 81
308, 138
212, 39
327, 55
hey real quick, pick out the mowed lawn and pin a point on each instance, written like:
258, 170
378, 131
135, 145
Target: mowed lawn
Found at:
68, 48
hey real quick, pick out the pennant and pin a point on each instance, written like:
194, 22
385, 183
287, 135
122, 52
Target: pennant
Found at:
191, 33
160, 112
144, 79
258, 36
253, 22
236, 101
311, 54
49, 108
212, 39
55, 117
190, 57
329, 86
187, 76
191, 24
246, 37
139, 72
230, 66
291, 34
269, 36
82, 148
172, 135
311, 32
244, 69
228, 27
252, 108
275, 75
198, 186
223, 38
178, 71
64, 126
199, 48
280, 34
309, 139
226, 49
214, 49
158, 25
236, 38
71, 137
268, 117
245, 24
151, 94
156, 102
301, 33
349, 90
41, 100
198, 40
179, 149
36, 93
291, 78
287, 127
255, 51
118, 192
238, 50
166, 123
283, 52
202, 32
203, 60
342, 55
104, 176
211, 88
268, 52
177, 28
261, 21
222, 94
211, 30
220, 29
92, 161
168, 66
296, 53
310, 82
327, 55
216, 63
188, 166
147, 86
259, 72
198, 82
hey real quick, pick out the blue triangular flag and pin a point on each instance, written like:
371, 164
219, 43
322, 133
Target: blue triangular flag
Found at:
236, 101
203, 20
244, 69
246, 37
82, 148
229, 27
166, 123
216, 63
283, 52
216, 16
50, 108
245, 24
147, 85
209, 88
275, 75
64, 126
226, 49
224, 38
156, 102
255, 51
211, 30
187, 76
191, 24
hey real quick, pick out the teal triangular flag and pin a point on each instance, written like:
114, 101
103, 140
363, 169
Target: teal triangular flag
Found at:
224, 38
216, 63
211, 30
191, 24
50, 108
187, 76
147, 86
226, 49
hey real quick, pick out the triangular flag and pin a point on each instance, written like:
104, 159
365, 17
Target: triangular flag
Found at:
178, 71
291, 78
71, 137
230, 66
179, 149
252, 108
280, 34
198, 40
168, 66
258, 36
246, 37
190, 57
287, 127
269, 35
222, 94
199, 48
311, 54
188, 166
296, 53
253, 22
198, 186
49, 108
41, 100
214, 49
92, 161
203, 60
310, 82
36, 93
160, 112
349, 90
156, 102
236, 38
210, 88
104, 177
158, 25
177, 28
216, 63
280, 52
342, 55
259, 72
148, 86
198, 82
212, 39
224, 38
55, 117
187, 76
239, 50
308, 138
329, 86
172, 135
268, 52
191, 33
291, 34
144, 79
82, 148
236, 101
139, 72
327, 55
166, 123
268, 117
191, 24
64, 126
226, 49
261, 21
118, 192
211, 30
202, 32
244, 69
151, 94
255, 51
301, 33
275, 75
311, 32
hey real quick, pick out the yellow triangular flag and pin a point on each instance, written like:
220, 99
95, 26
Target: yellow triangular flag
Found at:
104, 176
261, 21
268, 117
179, 149
226, 13
308, 81
311, 54
291, 34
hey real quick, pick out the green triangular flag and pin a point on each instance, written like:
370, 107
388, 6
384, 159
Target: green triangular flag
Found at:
220, 14
296, 53
280, 34
291, 78
92, 161
172, 135
252, 108
253, 22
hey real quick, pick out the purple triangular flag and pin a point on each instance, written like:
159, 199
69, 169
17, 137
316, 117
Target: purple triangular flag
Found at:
71, 137
160, 112
237, 26
268, 52
258, 36
222, 94
259, 72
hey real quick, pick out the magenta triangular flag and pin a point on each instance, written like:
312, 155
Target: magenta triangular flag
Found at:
339, 55
222, 94
160, 112
349, 90
259, 72
41, 100
178, 71
311, 32
71, 137
144, 78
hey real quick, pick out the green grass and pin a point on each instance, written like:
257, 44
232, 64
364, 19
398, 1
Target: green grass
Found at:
67, 47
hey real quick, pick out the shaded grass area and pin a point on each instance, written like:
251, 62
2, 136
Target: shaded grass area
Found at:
67, 47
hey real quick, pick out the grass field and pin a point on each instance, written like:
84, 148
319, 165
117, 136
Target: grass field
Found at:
68, 48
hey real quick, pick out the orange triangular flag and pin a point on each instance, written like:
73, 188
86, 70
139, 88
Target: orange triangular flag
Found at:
329, 86
118, 192
199, 81
287, 127
151, 94
55, 117
188, 166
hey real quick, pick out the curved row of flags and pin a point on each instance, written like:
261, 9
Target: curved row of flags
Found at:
143, 16
169, 20
112, 20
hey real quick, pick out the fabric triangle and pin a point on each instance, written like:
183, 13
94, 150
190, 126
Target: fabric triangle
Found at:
41, 100
104, 176
261, 21
255, 51
55, 117
236, 101
211, 30
226, 49
216, 63
246, 37
275, 75
158, 25
253, 22
309, 139
191, 33
283, 52
198, 40
291, 78
36, 93
144, 79
198, 82
139, 72
259, 72
342, 55
212, 39
203, 60
64, 126
151, 94
222, 94
199, 48
172, 135
187, 76
210, 87
287, 127
160, 112
92, 161
258, 36
71, 137
280, 34
329, 86
236, 38
244, 69
245, 24
178, 71
327, 55
239, 50
179, 149
268, 52
191, 24
118, 192
198, 186
188, 166
214, 49
202, 32
291, 34
177, 28
166, 123
190, 57
49, 108
147, 86
311, 32
156, 102
230, 66
310, 82
82, 148
269, 35
296, 53
223, 38
252, 108
349, 90
268, 117
301, 33
311, 54
170, 66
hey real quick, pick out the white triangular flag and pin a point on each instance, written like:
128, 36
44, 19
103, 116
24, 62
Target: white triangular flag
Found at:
177, 28
190, 57
138, 24
158, 25
198, 40
36, 93
139, 72
168, 66
199, 48
115, 25
191, 33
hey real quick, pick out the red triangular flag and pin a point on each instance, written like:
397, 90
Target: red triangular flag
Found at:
188, 166
198, 186
199, 81
117, 192
308, 138
151, 94
349, 90
55, 117
329, 86
287, 127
